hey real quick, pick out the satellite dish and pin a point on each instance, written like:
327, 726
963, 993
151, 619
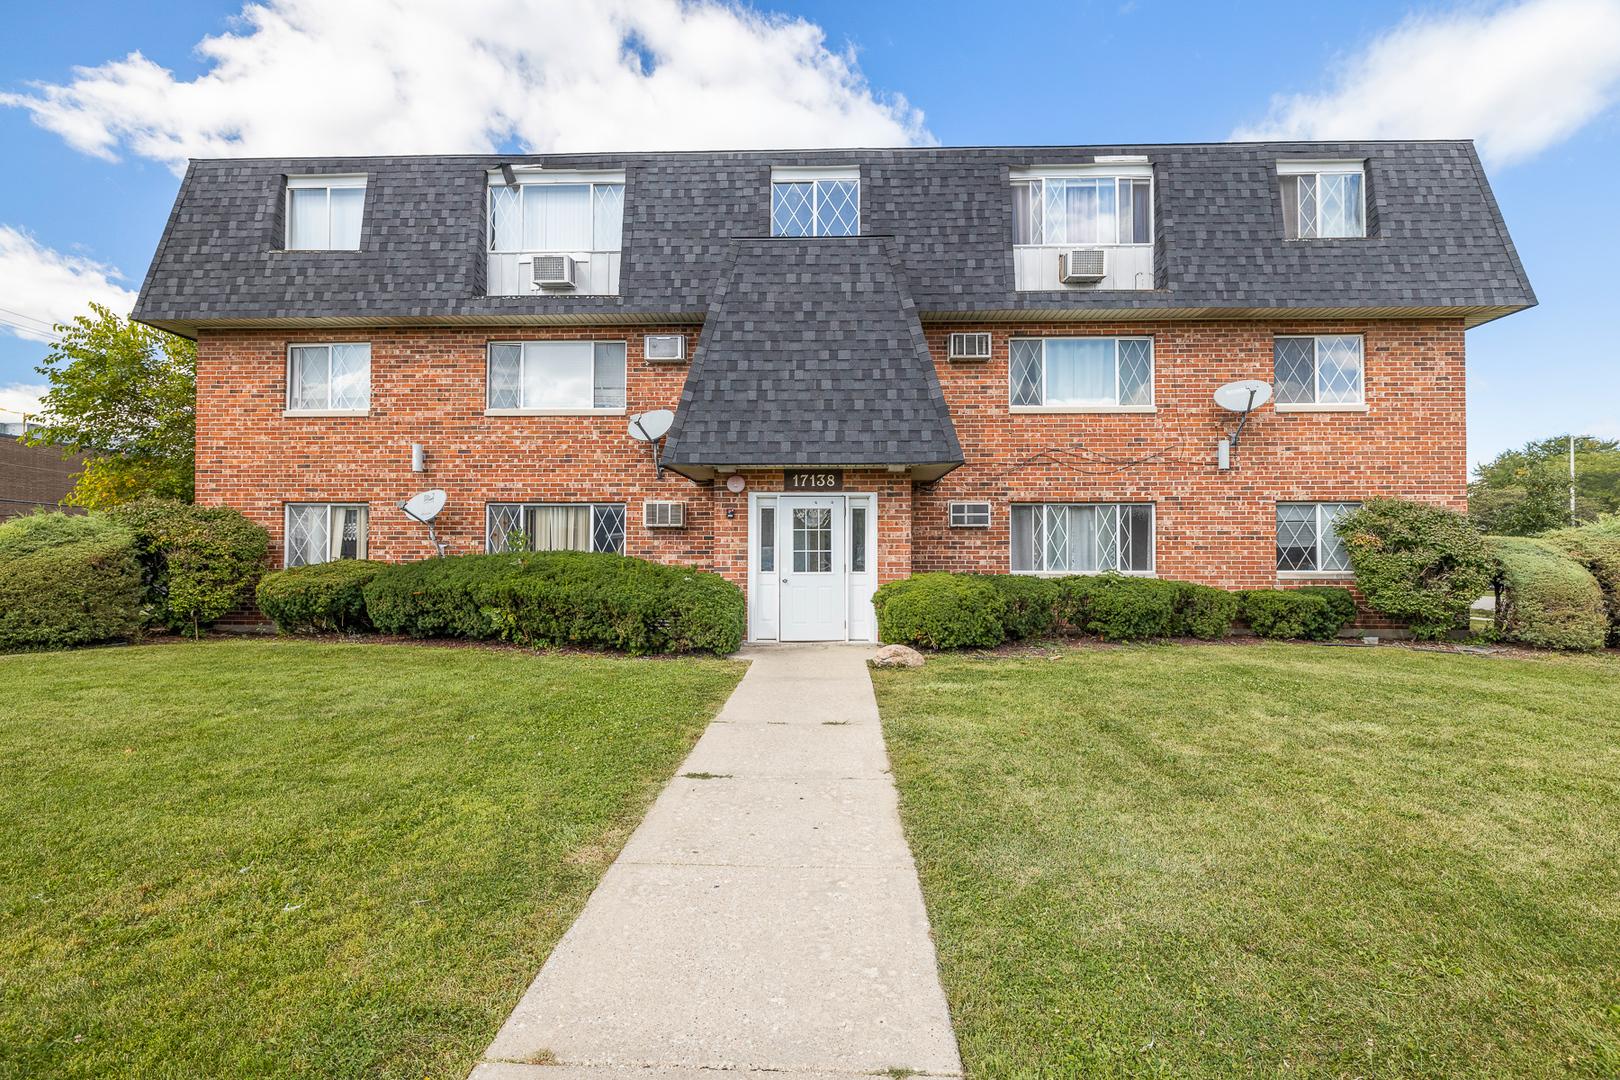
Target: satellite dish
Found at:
426, 506
648, 426
1243, 396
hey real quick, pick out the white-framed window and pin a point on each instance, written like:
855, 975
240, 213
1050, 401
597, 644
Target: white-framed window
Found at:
815, 202
1323, 199
1070, 210
581, 213
1306, 541
970, 515
324, 212
1082, 538
324, 532
329, 378
1319, 370
554, 527
549, 375
1081, 371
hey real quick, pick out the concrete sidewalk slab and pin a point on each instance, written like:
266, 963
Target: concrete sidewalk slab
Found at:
768, 918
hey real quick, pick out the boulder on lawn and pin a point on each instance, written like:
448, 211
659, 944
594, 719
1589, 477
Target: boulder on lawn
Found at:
898, 656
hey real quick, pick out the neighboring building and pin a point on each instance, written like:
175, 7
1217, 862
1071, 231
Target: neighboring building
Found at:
881, 361
32, 476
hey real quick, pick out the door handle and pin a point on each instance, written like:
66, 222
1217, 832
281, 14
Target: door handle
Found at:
784, 581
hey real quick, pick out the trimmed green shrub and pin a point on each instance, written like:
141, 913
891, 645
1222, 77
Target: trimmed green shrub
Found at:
324, 596
1285, 614
1341, 604
1416, 562
198, 562
1029, 601
1118, 608
67, 580
1203, 611
941, 611
1597, 547
1548, 599
554, 598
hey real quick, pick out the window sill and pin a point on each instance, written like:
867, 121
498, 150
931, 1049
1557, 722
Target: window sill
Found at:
1316, 575
1323, 408
291, 414
1082, 573
1105, 410
554, 412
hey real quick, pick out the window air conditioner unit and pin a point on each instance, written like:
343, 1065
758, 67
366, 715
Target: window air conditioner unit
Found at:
970, 515
1079, 265
664, 515
969, 347
664, 347
555, 271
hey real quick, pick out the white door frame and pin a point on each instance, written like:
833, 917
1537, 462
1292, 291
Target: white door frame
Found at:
814, 601
764, 587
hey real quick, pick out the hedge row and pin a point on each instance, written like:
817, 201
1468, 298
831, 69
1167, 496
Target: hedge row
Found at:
541, 599
1597, 548
67, 581
947, 611
1548, 599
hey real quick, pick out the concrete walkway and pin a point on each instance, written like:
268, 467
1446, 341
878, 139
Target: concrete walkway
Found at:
768, 918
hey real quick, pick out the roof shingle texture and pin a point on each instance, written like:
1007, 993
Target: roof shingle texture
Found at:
812, 354
1437, 238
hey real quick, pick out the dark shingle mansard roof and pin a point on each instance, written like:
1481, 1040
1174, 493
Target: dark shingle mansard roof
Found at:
1438, 243
812, 354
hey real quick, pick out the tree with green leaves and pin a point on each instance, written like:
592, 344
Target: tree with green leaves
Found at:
1525, 492
125, 396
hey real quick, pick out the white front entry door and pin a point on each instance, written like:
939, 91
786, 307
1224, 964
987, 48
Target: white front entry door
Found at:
811, 556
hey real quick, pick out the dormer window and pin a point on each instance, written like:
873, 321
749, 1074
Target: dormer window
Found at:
578, 216
1083, 227
324, 212
815, 202
1322, 199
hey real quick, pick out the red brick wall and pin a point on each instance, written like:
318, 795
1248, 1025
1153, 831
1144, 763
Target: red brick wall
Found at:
1212, 526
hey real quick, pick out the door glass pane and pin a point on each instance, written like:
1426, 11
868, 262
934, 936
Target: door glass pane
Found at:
767, 539
347, 207
1080, 371
857, 539
558, 375
307, 220
1296, 536
812, 541
608, 391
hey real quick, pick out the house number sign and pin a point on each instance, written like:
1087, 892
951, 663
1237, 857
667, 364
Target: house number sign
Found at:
813, 479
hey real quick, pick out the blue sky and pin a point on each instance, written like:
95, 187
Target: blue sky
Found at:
1533, 81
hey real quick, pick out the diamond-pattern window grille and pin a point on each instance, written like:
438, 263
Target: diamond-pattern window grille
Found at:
1057, 538
506, 376
1296, 536
1025, 372
506, 219
1338, 370
351, 376
307, 538
792, 209
1339, 204
838, 208
505, 527
1108, 538
1334, 555
607, 528
608, 213
1295, 362
1307, 206
1135, 371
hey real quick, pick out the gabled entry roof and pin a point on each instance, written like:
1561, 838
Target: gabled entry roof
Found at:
812, 354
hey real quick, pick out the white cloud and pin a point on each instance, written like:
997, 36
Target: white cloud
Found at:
1517, 79
17, 399
40, 287
424, 76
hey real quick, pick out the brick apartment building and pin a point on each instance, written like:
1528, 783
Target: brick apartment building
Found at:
880, 361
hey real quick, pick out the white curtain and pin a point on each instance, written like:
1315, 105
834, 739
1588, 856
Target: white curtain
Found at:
505, 376
560, 528
1080, 371
306, 534
608, 209
347, 532
506, 219
557, 217
347, 207
608, 380
307, 221
311, 377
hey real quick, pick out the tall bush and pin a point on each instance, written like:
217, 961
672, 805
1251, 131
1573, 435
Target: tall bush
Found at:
1548, 599
1029, 604
324, 596
1420, 563
1597, 547
941, 611
67, 581
198, 562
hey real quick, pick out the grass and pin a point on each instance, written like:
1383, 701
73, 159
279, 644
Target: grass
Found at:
1268, 861
298, 859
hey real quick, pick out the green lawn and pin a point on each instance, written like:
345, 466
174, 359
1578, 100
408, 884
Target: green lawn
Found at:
1268, 861
296, 859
